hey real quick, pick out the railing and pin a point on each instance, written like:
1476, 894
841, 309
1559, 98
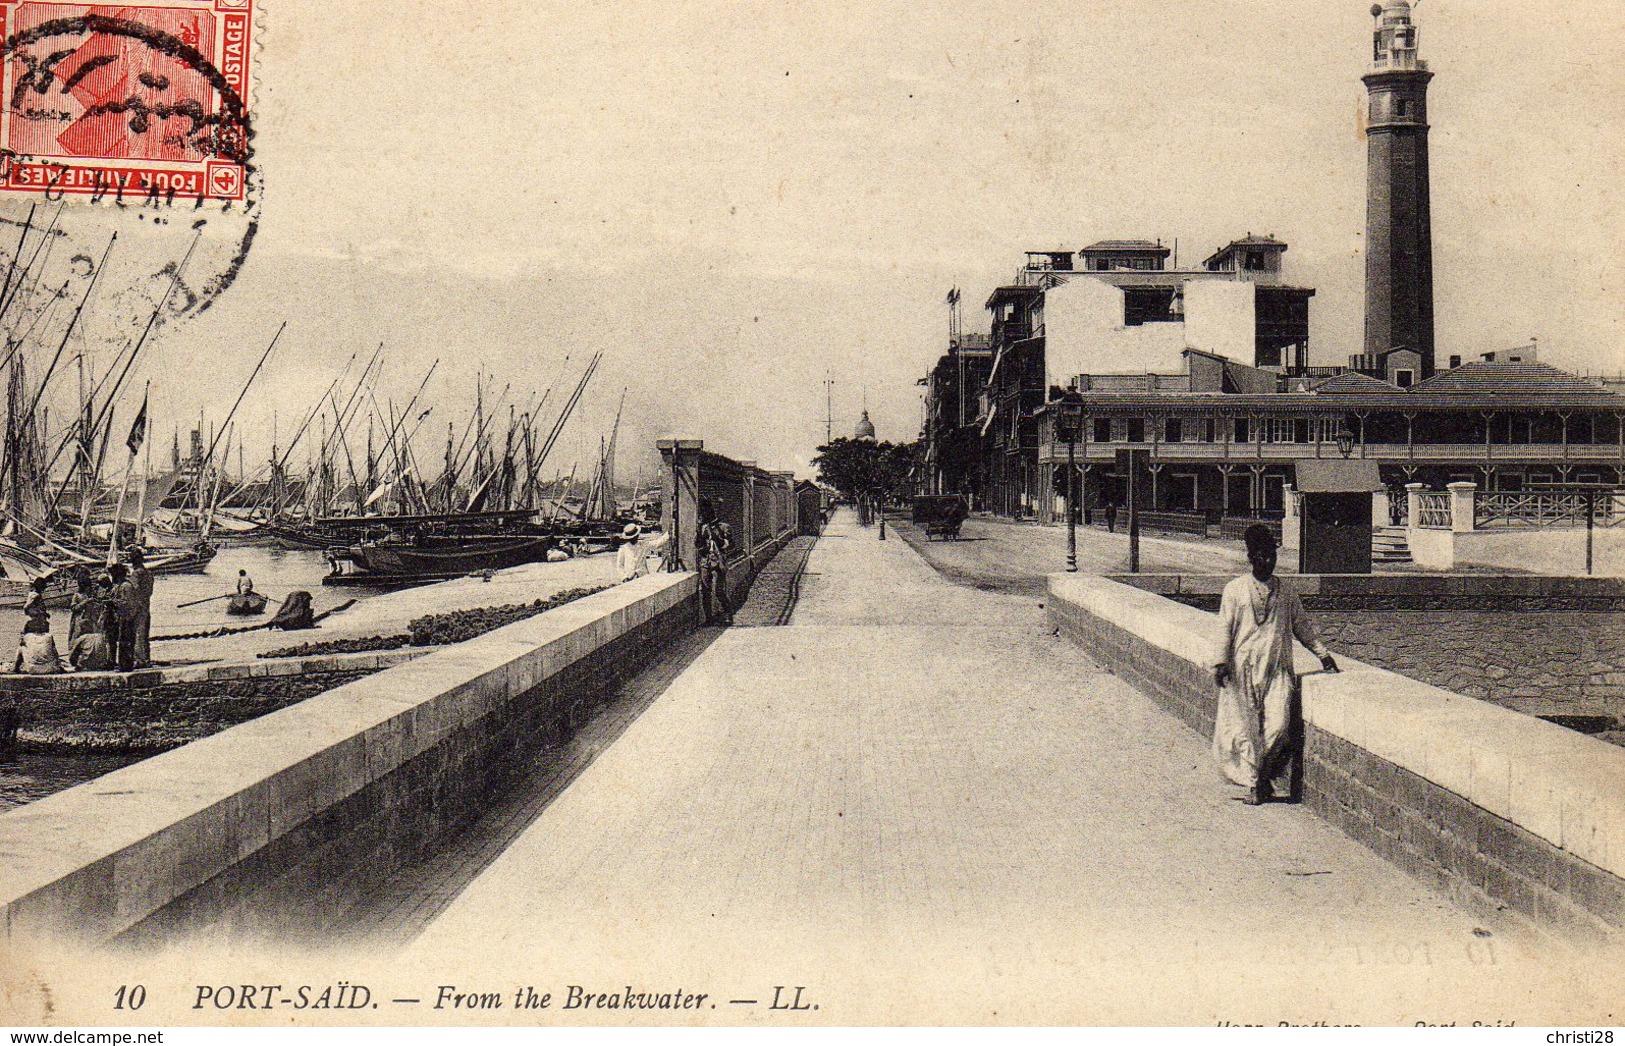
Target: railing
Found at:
1174, 523
1465, 454
1132, 382
1235, 527
1543, 509
1399, 508
1433, 510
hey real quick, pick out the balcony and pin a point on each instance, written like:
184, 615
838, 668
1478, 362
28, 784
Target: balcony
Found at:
1385, 453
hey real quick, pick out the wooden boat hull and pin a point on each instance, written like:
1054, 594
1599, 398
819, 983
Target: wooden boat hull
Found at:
454, 557
14, 593
246, 604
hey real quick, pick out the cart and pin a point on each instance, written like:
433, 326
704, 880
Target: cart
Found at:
940, 515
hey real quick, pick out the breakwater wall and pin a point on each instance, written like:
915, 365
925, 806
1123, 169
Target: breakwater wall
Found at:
320, 799
1499, 810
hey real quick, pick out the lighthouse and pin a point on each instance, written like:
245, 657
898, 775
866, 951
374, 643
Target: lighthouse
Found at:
1399, 234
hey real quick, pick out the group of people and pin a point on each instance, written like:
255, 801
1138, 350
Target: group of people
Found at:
637, 556
110, 623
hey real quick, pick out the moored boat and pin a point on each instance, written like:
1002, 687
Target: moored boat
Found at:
246, 604
442, 557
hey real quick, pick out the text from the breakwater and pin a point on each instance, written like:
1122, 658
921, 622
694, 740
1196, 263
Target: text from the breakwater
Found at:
348, 996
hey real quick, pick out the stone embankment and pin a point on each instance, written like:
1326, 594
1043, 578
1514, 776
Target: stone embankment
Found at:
1547, 647
1540, 664
154, 710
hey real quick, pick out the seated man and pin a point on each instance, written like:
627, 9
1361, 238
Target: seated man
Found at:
36, 651
90, 653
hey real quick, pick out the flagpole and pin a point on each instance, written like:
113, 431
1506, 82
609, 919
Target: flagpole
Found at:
138, 435
146, 472
118, 514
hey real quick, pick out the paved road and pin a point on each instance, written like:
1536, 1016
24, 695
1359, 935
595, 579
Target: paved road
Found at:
920, 804
1000, 556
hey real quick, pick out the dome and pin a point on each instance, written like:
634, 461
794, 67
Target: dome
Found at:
866, 428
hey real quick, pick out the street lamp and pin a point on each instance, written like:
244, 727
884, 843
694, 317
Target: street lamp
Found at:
1345, 442
1068, 427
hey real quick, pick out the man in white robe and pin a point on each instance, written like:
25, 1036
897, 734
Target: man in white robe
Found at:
1259, 729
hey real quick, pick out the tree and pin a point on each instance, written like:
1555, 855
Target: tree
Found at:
857, 467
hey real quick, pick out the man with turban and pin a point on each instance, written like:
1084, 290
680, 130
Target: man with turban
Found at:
1259, 729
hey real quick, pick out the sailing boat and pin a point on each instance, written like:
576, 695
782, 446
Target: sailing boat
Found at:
495, 528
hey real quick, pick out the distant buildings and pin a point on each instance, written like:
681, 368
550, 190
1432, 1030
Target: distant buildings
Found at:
1208, 369
950, 433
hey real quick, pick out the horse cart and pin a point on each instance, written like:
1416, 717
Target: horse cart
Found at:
940, 515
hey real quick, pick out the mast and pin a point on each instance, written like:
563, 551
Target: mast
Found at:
829, 411
86, 496
146, 470
610, 501
448, 483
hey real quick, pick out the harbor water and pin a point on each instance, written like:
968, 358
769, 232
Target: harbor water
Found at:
275, 572
25, 777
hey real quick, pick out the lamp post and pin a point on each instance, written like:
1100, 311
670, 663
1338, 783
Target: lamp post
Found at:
1345, 442
1068, 425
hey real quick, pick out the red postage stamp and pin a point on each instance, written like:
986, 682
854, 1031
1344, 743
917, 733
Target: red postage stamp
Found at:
133, 101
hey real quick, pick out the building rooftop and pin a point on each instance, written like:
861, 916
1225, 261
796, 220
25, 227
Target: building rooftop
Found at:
1246, 241
1351, 383
1127, 245
1507, 379
1012, 292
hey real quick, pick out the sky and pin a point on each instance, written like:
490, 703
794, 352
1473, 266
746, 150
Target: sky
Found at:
734, 202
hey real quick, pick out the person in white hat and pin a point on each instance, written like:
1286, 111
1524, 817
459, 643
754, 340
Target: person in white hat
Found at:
629, 558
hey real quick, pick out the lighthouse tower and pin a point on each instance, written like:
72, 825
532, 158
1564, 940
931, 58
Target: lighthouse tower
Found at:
1399, 234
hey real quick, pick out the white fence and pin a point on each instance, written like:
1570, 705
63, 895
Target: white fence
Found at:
1545, 509
1433, 510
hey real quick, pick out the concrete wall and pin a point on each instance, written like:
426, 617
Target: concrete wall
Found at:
1084, 334
1431, 548
1220, 317
1552, 550
1549, 550
311, 805
1500, 810
1385, 592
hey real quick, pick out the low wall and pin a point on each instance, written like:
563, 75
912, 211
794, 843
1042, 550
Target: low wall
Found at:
298, 814
1548, 550
1432, 548
1495, 808
1551, 550
1489, 592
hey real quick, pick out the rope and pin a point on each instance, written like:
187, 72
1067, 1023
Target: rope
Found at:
224, 631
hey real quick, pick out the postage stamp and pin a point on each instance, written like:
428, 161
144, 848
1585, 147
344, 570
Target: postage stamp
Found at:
142, 100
